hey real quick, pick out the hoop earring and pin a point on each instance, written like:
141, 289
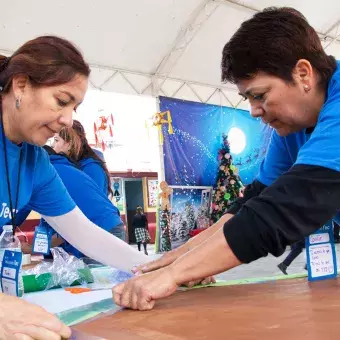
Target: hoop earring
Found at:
17, 103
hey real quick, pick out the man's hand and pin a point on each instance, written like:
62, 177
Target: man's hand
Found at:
171, 256
141, 292
168, 258
206, 281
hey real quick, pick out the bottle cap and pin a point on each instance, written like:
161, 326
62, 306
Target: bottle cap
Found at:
7, 227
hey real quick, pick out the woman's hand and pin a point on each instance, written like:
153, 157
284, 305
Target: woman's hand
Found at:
22, 320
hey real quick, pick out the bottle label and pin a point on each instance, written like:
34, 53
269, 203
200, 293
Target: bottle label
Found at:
41, 241
10, 270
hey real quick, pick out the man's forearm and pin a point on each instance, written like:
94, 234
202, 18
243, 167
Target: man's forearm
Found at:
211, 257
201, 237
252, 190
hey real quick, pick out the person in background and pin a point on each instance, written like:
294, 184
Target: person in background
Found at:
293, 86
91, 163
141, 229
296, 250
41, 85
69, 143
89, 198
100, 154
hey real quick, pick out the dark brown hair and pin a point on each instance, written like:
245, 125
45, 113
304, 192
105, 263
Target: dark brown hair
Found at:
87, 152
70, 136
273, 41
46, 60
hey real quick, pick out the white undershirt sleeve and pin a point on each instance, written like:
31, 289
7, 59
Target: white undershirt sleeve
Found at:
95, 242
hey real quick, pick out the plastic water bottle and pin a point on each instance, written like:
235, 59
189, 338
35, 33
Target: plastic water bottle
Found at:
8, 242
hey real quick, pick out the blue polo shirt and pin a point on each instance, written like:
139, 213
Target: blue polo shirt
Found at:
320, 148
89, 198
94, 170
41, 189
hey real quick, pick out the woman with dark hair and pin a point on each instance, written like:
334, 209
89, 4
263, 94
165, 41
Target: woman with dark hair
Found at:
90, 162
41, 85
95, 205
67, 142
278, 63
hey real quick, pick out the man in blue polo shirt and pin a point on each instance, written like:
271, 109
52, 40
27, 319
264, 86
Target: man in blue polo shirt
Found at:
278, 63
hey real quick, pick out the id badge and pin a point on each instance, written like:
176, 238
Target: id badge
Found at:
41, 241
10, 269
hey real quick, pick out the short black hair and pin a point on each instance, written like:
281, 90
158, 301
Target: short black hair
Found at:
273, 41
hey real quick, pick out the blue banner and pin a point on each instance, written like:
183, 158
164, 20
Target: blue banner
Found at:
190, 154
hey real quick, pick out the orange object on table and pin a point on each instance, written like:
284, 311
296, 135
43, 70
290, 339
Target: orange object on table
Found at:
78, 290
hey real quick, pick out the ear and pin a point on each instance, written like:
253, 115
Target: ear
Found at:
19, 83
67, 147
303, 73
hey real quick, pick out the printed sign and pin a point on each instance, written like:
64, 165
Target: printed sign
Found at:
321, 258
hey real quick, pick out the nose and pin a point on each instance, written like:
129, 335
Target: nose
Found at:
67, 118
256, 111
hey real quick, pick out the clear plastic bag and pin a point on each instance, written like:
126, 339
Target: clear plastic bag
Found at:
64, 269
107, 278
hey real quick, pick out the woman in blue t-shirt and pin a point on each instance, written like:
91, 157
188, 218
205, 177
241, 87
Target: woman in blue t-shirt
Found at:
41, 85
90, 199
91, 163
70, 142
278, 64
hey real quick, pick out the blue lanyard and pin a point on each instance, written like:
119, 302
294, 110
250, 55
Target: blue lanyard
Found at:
13, 212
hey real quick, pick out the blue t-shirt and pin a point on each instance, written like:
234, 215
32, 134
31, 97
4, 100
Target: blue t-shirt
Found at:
41, 189
320, 148
94, 169
89, 198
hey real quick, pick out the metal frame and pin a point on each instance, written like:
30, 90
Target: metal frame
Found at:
155, 89
323, 35
194, 24
184, 38
197, 20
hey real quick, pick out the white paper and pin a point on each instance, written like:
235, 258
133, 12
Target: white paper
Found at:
318, 238
41, 244
10, 273
321, 260
59, 300
9, 287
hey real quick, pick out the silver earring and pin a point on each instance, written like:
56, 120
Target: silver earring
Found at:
17, 103
306, 87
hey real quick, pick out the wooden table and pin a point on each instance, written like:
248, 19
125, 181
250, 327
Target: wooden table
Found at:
288, 309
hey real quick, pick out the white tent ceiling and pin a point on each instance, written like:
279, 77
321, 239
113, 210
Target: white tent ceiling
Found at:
154, 47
